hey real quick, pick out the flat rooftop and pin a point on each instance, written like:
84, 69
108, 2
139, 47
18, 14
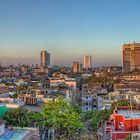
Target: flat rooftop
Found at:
129, 113
34, 108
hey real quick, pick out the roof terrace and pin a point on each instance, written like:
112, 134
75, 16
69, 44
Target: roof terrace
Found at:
129, 114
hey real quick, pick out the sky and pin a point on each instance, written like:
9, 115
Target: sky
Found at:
68, 29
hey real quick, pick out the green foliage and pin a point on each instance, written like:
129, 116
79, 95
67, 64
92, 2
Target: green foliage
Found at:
62, 117
77, 109
17, 117
21, 117
15, 95
106, 79
128, 137
22, 87
95, 118
119, 104
34, 116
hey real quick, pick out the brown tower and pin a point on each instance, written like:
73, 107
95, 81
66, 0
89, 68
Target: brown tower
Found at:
131, 57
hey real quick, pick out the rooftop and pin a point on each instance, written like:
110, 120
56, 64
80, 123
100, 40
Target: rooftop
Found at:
127, 85
129, 113
34, 108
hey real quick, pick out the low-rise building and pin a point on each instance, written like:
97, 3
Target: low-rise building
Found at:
122, 87
92, 96
123, 123
130, 77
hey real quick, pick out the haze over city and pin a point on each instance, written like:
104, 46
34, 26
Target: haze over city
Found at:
69, 70
68, 29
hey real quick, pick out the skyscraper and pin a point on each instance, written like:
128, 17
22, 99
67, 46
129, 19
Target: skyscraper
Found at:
77, 67
131, 56
87, 62
45, 59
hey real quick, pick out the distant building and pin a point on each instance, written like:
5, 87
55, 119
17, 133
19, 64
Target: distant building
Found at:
76, 67
24, 68
45, 59
131, 57
42, 70
68, 82
91, 97
28, 99
132, 77
86, 75
87, 62
124, 87
61, 74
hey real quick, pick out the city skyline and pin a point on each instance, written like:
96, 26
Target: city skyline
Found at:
68, 30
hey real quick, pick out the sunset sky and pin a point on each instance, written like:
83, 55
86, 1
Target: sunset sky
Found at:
68, 29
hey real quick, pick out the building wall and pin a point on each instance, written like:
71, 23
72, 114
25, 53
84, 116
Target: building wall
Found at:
87, 62
131, 77
77, 67
130, 124
87, 103
2, 129
100, 102
45, 59
119, 136
131, 56
126, 58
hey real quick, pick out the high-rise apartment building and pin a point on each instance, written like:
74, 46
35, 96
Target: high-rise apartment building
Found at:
45, 59
87, 62
131, 56
77, 67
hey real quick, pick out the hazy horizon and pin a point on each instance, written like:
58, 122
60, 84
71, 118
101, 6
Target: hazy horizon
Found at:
68, 30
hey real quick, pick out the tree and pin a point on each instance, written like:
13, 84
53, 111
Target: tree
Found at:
105, 80
17, 117
93, 119
34, 118
128, 137
119, 104
61, 116
77, 109
15, 95
22, 88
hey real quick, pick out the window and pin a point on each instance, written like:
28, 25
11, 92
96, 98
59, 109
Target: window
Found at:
86, 108
86, 103
86, 97
135, 137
